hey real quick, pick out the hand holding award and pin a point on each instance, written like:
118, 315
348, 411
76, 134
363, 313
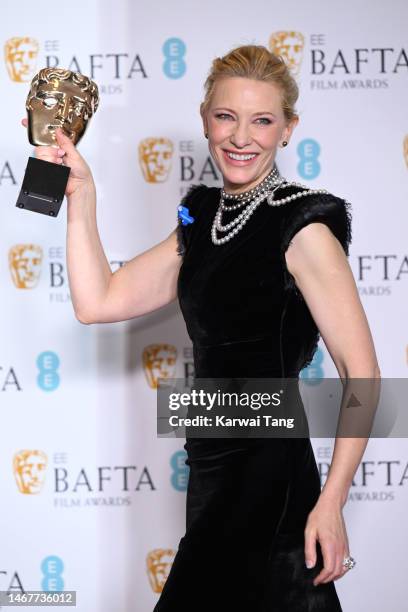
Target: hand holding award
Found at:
59, 107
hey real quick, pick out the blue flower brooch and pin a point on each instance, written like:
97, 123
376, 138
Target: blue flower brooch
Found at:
184, 215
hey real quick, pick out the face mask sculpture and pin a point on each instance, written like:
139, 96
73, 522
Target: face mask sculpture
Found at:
58, 98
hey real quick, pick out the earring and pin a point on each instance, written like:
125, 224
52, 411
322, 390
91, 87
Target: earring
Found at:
206, 134
285, 143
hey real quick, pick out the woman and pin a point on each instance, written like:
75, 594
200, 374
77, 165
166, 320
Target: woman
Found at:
260, 269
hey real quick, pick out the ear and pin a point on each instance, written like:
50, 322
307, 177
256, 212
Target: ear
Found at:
204, 118
288, 129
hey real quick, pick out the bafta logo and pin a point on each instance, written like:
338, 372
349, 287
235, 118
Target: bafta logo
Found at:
289, 45
20, 55
155, 155
158, 564
29, 468
25, 265
405, 149
159, 361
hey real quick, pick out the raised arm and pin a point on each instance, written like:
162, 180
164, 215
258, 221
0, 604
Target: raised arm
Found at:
147, 282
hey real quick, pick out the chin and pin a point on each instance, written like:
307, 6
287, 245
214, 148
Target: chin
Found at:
240, 176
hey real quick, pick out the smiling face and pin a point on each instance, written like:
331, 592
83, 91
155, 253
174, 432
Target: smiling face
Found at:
245, 123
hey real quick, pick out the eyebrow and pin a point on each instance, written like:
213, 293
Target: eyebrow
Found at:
255, 114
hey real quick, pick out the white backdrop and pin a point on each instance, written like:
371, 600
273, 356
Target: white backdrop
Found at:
91, 499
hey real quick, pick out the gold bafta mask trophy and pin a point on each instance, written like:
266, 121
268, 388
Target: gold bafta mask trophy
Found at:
58, 98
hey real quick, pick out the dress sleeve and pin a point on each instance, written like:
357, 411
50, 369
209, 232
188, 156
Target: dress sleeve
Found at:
192, 201
333, 211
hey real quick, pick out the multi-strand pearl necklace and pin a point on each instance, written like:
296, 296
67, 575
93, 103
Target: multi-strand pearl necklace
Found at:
251, 200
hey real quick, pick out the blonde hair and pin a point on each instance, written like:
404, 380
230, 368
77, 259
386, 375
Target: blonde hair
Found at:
258, 63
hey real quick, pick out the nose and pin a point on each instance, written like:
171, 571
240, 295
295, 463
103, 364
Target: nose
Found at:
63, 112
241, 136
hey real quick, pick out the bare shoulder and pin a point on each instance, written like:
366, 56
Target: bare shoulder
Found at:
316, 236
314, 247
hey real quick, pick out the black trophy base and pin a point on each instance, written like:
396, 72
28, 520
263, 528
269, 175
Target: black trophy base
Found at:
43, 187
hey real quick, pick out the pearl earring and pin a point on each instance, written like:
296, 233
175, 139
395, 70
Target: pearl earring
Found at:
285, 143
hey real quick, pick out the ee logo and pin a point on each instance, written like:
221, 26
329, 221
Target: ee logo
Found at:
48, 378
314, 369
174, 50
179, 476
52, 568
309, 165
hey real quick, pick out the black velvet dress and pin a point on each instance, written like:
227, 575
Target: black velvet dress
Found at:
248, 499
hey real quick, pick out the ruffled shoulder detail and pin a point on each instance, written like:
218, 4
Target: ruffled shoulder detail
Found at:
191, 200
325, 208
335, 212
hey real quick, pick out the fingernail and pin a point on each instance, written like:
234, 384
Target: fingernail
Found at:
309, 564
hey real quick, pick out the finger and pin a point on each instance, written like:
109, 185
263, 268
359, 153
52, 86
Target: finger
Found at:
344, 551
67, 152
64, 142
329, 561
339, 569
310, 548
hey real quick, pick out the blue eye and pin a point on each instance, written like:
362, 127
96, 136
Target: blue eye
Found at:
223, 116
264, 121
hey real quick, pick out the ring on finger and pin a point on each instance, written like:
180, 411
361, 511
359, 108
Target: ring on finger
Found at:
348, 562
